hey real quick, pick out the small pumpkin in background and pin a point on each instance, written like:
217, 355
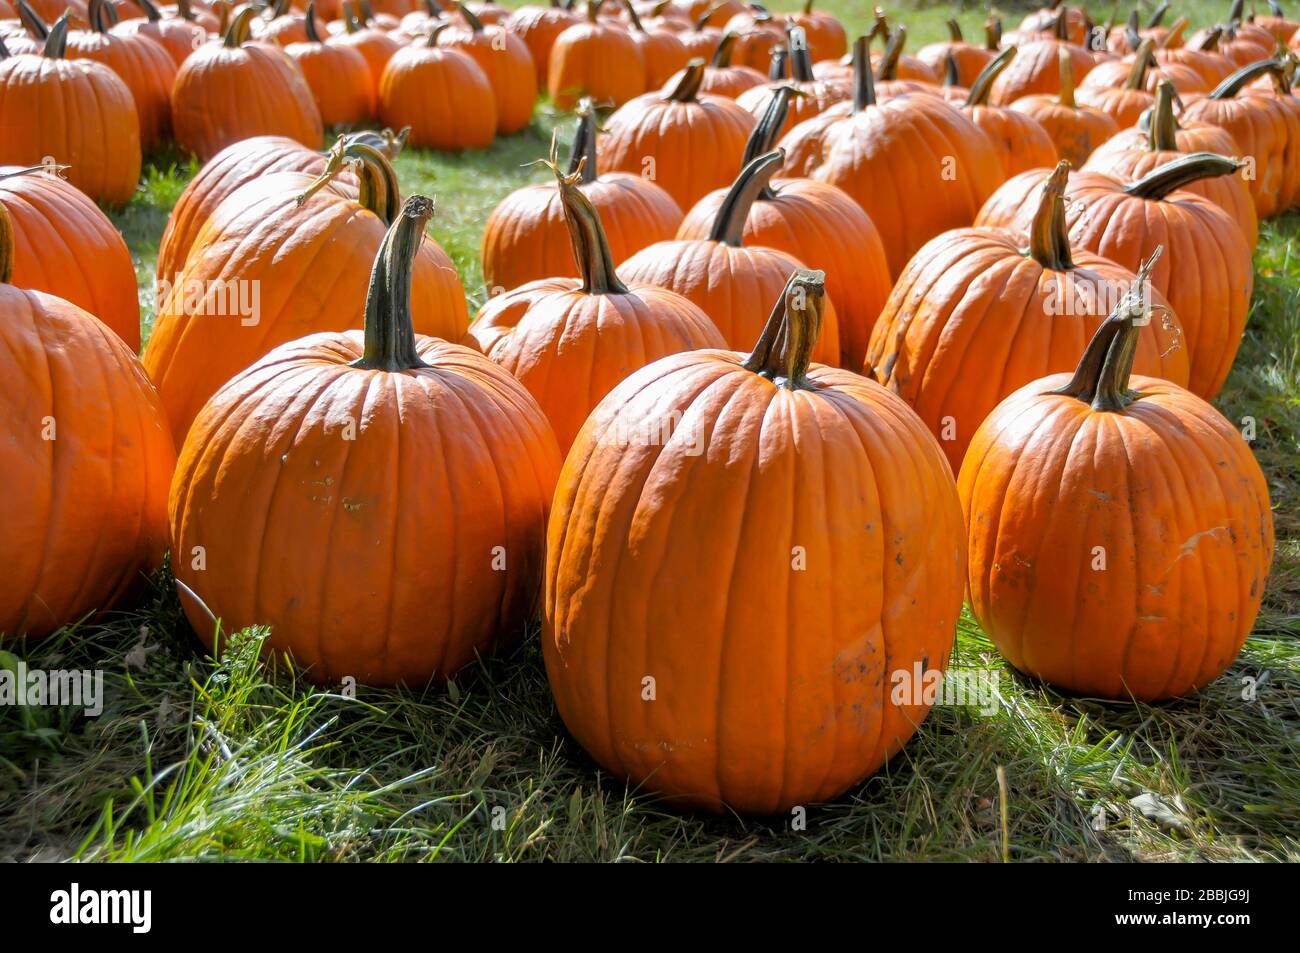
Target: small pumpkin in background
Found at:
827, 39
441, 94
1119, 73
662, 52
726, 277
339, 77
1135, 152
375, 46
976, 315
527, 235
78, 111
815, 96
721, 76
280, 25
1278, 23
353, 493
700, 39
757, 32
539, 27
746, 444
1075, 129
86, 459
694, 141
886, 154
967, 59
304, 249
1185, 559
62, 244
1124, 103
504, 60
212, 102
1036, 69
812, 221
573, 345
1020, 140
896, 72
596, 60
178, 35
1210, 67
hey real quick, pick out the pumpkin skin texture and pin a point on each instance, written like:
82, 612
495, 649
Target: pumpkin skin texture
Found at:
526, 237
78, 111
573, 346
592, 59
339, 77
539, 27
65, 246
726, 278
884, 154
1169, 490
235, 90
434, 424
308, 260
1037, 71
968, 60
695, 141
175, 34
730, 630
973, 318
813, 222
1020, 140
1075, 129
815, 95
721, 76
505, 61
84, 513
375, 46
441, 94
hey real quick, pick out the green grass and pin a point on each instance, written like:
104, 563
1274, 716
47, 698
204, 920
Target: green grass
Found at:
201, 758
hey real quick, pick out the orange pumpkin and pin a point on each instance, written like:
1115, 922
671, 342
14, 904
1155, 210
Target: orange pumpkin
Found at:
814, 97
721, 76
594, 59
1037, 69
1125, 103
748, 445
375, 46
662, 52
178, 35
686, 143
728, 279
441, 93
272, 264
505, 61
233, 89
86, 459
967, 59
757, 32
279, 25
885, 154
827, 39
1020, 140
378, 441
62, 244
813, 222
339, 76
570, 347
527, 235
539, 27
974, 317
1203, 59
1075, 129
1120, 531
1135, 152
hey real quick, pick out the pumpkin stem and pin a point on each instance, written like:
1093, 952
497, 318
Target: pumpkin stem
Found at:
350, 18
582, 156
722, 55
1142, 61
434, 32
1174, 37
784, 349
951, 76
632, 16
56, 44
983, 85
378, 192
729, 225
1243, 77
237, 35
689, 85
864, 84
186, 11
1158, 183
586, 233
1162, 136
1049, 238
992, 34
6, 246
703, 19
1062, 26
4, 50
390, 334
313, 34
151, 11
1157, 16
102, 15
1102, 375
1210, 42
1132, 33
776, 67
801, 65
475, 24
386, 141
888, 68
768, 129
1066, 65
1235, 11
37, 28
954, 32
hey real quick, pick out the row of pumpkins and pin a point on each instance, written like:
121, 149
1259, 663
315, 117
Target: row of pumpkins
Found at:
712, 418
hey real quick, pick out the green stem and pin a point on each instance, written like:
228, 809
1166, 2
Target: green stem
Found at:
582, 157
1101, 378
1158, 16
801, 65
151, 11
237, 35
1049, 236
763, 137
1142, 61
37, 28
983, 85
776, 69
1210, 42
378, 188
1158, 183
954, 32
689, 85
864, 84
729, 225
475, 24
722, 55
4, 51
993, 34
888, 68
784, 349
102, 15
185, 10
632, 16
1162, 136
1066, 64
390, 333
587, 235
1132, 34
313, 33
56, 44
1243, 77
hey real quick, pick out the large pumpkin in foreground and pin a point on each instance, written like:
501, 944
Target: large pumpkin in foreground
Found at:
85, 457
752, 666
379, 500
1120, 529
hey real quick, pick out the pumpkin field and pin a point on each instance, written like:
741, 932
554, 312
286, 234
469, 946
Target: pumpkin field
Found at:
622, 430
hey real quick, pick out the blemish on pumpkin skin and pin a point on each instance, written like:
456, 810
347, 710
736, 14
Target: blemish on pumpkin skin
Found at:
353, 506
